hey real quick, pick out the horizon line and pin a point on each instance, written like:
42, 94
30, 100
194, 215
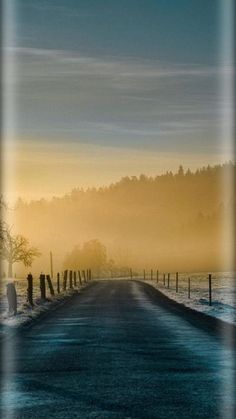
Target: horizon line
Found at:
131, 177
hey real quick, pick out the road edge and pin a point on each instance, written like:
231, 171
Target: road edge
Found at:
11, 331
222, 328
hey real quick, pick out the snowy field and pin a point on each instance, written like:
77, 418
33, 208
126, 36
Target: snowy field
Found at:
25, 312
223, 295
223, 292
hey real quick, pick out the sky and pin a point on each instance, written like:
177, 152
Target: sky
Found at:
101, 89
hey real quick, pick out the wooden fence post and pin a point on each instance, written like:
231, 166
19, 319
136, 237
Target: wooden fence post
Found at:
87, 275
168, 281
75, 281
42, 286
151, 274
58, 283
84, 276
80, 279
30, 290
189, 287
51, 265
157, 276
65, 280
164, 279
144, 274
177, 282
70, 279
49, 281
210, 289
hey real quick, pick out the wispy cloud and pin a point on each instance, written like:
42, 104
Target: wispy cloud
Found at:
111, 66
66, 11
115, 99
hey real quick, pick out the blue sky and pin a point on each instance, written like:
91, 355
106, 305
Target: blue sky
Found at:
121, 75
142, 73
184, 30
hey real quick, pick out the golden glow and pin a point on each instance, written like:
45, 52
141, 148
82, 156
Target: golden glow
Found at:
44, 169
173, 222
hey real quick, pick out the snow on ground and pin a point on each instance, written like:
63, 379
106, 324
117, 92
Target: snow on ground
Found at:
223, 293
25, 313
223, 296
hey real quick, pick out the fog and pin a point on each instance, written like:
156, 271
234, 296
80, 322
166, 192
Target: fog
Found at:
172, 222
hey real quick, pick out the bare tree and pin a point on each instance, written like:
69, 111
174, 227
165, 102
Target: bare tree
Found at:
16, 249
3, 226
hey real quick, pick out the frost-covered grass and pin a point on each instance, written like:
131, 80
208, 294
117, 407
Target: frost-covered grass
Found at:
223, 293
223, 296
26, 313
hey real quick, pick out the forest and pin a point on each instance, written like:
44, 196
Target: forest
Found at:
174, 221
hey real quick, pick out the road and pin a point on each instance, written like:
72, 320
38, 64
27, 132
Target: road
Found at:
115, 351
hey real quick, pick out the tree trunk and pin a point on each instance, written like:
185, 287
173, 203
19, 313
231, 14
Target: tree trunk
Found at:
10, 270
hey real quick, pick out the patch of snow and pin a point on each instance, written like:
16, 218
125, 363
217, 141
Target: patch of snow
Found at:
26, 313
223, 293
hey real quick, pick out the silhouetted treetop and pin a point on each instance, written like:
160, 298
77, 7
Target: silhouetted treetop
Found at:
179, 212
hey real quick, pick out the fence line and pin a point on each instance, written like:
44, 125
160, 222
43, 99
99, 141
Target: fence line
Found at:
167, 280
76, 279
46, 284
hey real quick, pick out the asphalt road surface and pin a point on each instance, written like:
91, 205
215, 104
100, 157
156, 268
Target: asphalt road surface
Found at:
115, 351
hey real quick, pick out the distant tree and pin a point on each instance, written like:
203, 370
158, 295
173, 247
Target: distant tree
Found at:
92, 255
16, 249
3, 225
111, 267
143, 178
181, 171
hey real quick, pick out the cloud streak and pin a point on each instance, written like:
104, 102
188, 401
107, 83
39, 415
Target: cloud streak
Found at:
115, 100
124, 67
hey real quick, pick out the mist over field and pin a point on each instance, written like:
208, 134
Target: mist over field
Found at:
170, 222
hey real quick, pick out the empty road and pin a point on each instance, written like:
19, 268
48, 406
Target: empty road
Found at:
115, 351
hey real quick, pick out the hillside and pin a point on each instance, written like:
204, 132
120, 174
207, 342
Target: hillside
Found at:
172, 221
